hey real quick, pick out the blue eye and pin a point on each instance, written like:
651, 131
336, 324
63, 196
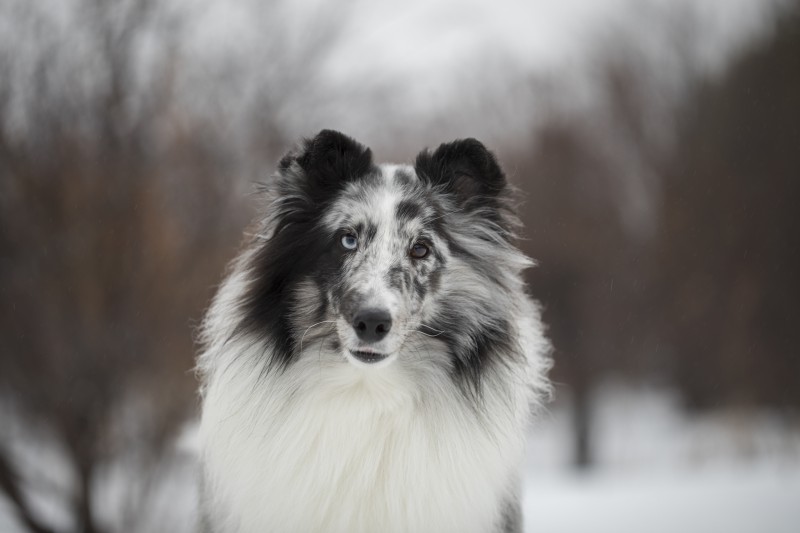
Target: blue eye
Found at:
349, 241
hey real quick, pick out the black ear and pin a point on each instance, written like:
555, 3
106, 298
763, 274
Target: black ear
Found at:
464, 168
330, 159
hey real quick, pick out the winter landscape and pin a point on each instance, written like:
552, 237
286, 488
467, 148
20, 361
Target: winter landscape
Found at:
654, 144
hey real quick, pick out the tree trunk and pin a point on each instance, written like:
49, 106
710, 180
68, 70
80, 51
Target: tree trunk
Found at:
581, 426
83, 500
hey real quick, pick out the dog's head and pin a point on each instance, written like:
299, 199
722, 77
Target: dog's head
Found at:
364, 258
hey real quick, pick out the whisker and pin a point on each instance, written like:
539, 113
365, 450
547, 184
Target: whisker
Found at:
427, 327
311, 326
426, 334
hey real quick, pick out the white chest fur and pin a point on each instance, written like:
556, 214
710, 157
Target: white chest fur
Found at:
337, 449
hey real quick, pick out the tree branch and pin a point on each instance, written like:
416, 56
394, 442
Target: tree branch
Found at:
10, 485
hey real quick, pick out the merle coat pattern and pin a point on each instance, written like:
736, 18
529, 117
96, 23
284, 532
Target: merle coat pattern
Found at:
372, 360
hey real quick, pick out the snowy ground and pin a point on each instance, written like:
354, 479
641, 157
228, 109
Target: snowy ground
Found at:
656, 471
660, 471
736, 500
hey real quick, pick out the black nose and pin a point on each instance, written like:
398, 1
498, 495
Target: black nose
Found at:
372, 325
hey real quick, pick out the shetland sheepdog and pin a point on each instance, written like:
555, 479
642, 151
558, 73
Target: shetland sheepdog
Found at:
372, 360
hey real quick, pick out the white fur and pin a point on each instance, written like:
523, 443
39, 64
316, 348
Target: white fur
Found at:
334, 448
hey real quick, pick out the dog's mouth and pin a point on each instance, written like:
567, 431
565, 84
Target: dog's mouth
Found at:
368, 356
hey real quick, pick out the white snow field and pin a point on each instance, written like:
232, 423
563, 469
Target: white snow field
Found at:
731, 501
659, 470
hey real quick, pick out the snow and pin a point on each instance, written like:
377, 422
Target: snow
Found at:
657, 470
736, 500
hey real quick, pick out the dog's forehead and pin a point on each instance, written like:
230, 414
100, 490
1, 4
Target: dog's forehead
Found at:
376, 201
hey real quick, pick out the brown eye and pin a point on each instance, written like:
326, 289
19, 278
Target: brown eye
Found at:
418, 251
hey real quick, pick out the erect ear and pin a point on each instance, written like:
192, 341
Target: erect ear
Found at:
330, 159
464, 168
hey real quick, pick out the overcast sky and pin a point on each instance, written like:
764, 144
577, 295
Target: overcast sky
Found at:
398, 73
421, 57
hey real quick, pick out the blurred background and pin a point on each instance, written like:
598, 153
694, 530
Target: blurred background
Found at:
657, 144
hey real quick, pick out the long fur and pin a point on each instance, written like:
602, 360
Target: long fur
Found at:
299, 433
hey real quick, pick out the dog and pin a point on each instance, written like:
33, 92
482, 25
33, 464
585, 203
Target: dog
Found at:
372, 360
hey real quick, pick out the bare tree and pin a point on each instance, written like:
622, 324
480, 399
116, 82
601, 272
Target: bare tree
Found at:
727, 266
593, 182
102, 268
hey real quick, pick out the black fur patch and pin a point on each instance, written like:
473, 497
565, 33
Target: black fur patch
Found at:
299, 249
468, 172
464, 167
475, 347
407, 210
332, 158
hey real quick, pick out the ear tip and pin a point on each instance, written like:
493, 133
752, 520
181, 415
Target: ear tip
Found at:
324, 138
473, 142
467, 142
329, 134
327, 138
468, 148
477, 149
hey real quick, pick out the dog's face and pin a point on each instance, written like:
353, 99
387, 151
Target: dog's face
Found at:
364, 258
392, 259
